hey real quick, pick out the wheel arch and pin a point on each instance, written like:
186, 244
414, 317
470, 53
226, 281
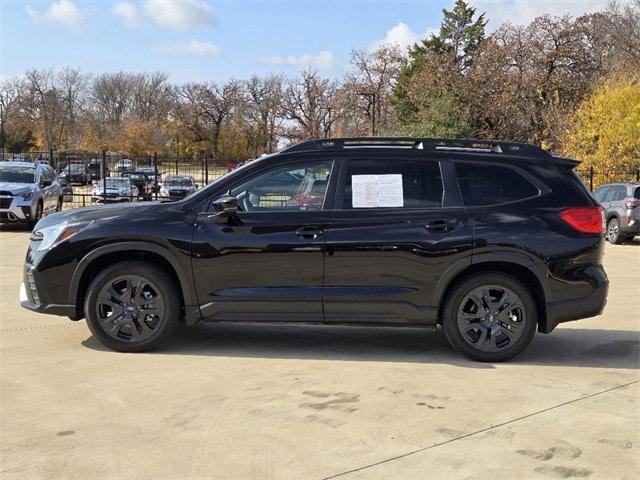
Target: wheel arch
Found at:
102, 257
522, 272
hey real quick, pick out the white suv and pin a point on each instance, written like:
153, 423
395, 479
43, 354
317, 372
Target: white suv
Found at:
28, 191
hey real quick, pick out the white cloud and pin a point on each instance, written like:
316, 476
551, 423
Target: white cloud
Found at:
63, 12
521, 12
128, 13
401, 35
180, 14
322, 61
194, 47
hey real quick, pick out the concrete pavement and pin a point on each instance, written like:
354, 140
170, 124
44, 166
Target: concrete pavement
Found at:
311, 402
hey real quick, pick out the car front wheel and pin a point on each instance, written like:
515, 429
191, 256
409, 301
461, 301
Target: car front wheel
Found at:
490, 317
132, 307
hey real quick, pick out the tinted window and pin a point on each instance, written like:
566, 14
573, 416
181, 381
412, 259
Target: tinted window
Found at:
483, 184
621, 193
393, 183
293, 187
636, 193
600, 193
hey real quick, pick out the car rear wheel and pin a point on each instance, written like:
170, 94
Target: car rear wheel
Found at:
132, 307
490, 317
613, 232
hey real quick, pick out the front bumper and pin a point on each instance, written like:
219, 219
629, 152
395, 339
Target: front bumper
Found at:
34, 298
16, 210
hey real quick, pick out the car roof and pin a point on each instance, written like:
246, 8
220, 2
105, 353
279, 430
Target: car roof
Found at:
19, 164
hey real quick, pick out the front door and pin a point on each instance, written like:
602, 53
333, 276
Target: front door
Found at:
266, 262
392, 242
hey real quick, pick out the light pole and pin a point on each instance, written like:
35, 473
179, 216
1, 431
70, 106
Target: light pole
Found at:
372, 96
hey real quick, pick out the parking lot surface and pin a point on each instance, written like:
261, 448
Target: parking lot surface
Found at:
310, 402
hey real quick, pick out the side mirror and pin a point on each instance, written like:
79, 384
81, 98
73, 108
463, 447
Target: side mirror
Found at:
224, 207
46, 183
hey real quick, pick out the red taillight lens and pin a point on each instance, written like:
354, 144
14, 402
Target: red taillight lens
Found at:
630, 204
584, 219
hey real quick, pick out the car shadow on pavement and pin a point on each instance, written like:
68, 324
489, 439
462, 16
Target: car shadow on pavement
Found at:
594, 348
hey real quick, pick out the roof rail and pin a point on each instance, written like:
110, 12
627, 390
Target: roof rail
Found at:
417, 143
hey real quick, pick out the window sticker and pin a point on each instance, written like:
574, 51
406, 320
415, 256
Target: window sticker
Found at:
371, 191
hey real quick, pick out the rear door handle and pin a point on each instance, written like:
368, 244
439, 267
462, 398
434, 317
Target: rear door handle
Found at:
440, 226
309, 233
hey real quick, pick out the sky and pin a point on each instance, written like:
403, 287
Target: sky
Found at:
203, 40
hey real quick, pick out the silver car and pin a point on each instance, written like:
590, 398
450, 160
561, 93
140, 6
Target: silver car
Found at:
28, 191
118, 189
621, 202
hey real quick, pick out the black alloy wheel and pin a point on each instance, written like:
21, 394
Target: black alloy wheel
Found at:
490, 317
132, 307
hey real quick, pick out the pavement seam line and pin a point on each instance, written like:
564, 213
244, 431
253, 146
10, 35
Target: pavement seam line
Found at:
466, 435
35, 327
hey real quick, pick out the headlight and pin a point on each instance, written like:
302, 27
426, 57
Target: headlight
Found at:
54, 234
26, 195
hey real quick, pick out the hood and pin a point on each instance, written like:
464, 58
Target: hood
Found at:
16, 188
102, 212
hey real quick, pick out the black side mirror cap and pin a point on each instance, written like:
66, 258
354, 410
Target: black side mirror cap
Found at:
224, 208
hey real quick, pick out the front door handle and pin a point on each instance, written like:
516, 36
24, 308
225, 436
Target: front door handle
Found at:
309, 233
439, 226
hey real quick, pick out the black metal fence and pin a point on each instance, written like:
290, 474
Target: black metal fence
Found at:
86, 174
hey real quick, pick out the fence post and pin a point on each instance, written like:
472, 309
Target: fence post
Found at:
104, 176
176, 165
51, 160
591, 178
638, 175
155, 171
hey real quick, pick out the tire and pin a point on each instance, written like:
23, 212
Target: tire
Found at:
613, 232
490, 335
116, 318
37, 216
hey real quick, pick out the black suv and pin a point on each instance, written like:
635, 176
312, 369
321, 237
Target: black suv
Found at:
491, 240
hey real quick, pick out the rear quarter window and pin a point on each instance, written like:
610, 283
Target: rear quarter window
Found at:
487, 184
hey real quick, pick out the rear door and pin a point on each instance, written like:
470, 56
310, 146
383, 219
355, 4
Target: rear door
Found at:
396, 230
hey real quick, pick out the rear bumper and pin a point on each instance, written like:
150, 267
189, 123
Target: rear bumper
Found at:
577, 308
632, 227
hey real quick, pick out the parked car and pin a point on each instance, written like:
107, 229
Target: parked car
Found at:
493, 241
152, 174
125, 165
94, 167
142, 183
178, 186
67, 189
621, 203
28, 191
75, 173
118, 189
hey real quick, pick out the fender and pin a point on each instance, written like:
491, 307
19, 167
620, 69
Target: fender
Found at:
520, 259
185, 280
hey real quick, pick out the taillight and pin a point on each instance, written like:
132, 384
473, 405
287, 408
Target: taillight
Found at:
584, 219
631, 204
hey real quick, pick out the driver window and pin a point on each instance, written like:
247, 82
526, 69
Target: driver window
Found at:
298, 187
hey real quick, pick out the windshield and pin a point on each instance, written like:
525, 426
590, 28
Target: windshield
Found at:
17, 174
74, 168
179, 182
117, 183
138, 177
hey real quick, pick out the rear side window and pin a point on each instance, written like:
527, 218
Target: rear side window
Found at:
484, 184
636, 193
393, 184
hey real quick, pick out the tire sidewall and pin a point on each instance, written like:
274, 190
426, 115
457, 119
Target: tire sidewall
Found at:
164, 284
618, 239
450, 316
